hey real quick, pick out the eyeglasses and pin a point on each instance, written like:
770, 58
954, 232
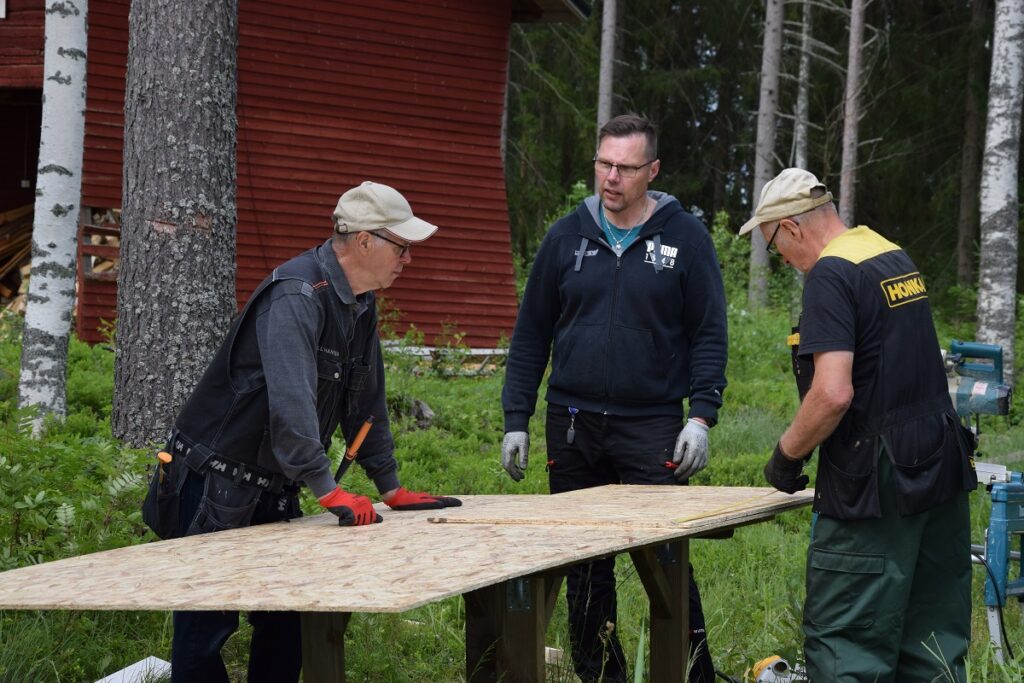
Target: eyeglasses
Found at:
602, 167
770, 248
403, 249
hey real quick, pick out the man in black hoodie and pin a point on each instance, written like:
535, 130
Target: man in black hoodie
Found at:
626, 297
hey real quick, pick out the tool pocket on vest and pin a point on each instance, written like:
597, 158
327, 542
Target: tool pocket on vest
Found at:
969, 446
803, 372
358, 381
163, 498
928, 462
847, 483
845, 588
330, 373
224, 505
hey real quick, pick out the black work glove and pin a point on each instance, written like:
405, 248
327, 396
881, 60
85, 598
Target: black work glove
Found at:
784, 474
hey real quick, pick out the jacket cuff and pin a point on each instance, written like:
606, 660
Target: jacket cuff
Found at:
705, 411
386, 482
322, 484
517, 422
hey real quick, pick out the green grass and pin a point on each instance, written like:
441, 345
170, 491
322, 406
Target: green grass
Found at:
77, 490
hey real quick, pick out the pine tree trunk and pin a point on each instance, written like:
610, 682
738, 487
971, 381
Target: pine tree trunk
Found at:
997, 293
851, 115
176, 291
606, 77
970, 161
764, 161
800, 123
51, 291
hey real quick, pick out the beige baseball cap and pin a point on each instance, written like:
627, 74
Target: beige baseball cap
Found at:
787, 194
373, 206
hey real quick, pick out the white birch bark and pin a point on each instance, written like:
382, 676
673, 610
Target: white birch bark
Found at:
851, 114
51, 291
997, 291
764, 155
605, 83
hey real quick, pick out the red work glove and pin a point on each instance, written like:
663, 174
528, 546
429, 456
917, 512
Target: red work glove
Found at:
410, 500
351, 510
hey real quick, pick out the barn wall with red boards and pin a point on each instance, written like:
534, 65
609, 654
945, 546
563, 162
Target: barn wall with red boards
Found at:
405, 92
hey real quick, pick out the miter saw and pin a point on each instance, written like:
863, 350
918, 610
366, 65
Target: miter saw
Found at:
975, 374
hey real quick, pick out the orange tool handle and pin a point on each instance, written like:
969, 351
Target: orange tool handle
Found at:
350, 454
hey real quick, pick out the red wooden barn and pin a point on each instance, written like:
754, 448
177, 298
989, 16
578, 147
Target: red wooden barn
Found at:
404, 92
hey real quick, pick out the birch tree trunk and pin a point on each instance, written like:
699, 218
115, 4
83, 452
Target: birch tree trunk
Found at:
764, 155
606, 78
803, 92
997, 292
851, 114
51, 290
176, 291
970, 160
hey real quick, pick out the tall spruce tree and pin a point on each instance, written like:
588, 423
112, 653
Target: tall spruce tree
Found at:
851, 113
970, 162
764, 161
176, 286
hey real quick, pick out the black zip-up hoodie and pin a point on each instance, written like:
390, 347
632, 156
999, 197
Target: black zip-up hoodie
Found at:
633, 334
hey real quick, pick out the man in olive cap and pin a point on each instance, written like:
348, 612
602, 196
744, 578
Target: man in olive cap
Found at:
888, 568
302, 359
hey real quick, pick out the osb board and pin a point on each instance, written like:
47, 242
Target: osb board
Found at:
314, 565
690, 508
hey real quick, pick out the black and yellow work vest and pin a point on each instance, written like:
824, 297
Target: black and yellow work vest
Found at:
903, 408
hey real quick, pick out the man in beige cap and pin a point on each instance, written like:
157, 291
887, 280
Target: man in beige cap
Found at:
888, 568
302, 359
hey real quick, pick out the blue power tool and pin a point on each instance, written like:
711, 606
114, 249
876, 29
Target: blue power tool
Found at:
975, 374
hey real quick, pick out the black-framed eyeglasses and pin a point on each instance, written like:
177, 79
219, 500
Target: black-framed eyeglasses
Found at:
770, 248
403, 248
602, 167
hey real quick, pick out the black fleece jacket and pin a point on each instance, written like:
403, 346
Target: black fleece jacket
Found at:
633, 334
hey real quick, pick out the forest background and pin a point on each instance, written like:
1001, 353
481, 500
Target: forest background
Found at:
693, 68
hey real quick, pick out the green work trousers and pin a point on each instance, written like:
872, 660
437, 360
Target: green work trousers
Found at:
889, 599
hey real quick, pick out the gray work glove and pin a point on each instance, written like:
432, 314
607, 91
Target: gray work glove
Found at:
515, 450
691, 453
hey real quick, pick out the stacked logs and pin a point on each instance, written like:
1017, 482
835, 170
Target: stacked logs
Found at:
15, 255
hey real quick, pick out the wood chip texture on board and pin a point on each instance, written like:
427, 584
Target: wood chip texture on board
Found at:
312, 564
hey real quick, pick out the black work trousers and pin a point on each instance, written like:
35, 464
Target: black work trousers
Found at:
275, 651
608, 449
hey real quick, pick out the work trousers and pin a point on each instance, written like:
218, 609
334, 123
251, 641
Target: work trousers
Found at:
889, 599
608, 449
275, 651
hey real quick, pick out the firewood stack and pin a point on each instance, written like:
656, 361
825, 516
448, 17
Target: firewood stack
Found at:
15, 256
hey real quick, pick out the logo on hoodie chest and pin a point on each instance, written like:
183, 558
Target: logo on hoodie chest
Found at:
667, 256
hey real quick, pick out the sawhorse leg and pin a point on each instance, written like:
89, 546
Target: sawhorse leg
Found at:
664, 572
505, 627
323, 646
